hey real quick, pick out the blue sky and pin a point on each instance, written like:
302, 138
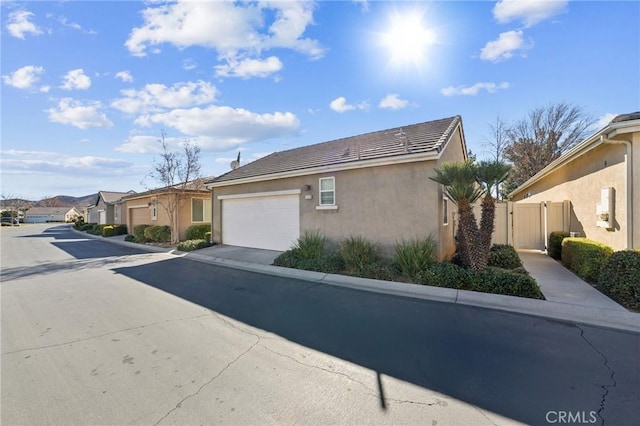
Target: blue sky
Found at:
88, 86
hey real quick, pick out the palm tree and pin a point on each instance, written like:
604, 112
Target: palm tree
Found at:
464, 183
490, 175
460, 185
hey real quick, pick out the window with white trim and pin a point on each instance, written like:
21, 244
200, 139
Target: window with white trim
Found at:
154, 209
327, 189
200, 210
445, 211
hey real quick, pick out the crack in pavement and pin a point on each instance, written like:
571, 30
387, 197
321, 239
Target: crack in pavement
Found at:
85, 339
605, 388
179, 404
369, 392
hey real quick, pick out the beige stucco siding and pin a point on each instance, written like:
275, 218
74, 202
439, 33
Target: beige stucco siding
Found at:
384, 204
635, 140
162, 218
580, 181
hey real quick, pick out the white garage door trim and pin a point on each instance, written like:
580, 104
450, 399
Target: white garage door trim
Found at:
267, 220
102, 217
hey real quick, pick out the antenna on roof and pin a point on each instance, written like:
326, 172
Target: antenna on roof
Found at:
236, 163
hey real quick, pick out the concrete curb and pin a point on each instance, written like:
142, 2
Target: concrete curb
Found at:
565, 312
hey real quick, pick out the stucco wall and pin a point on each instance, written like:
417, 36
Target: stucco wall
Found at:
580, 181
184, 212
385, 203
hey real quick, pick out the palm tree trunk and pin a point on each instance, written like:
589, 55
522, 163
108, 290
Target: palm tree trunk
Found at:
470, 235
486, 227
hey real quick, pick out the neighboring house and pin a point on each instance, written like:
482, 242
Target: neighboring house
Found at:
90, 214
150, 207
50, 214
376, 185
107, 209
600, 177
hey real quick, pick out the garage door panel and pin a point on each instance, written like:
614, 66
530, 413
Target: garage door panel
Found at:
139, 216
270, 222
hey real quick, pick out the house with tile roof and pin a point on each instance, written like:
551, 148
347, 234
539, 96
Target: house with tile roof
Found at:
51, 214
192, 204
376, 185
598, 179
107, 209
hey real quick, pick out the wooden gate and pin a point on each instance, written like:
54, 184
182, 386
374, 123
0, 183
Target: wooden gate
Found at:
528, 225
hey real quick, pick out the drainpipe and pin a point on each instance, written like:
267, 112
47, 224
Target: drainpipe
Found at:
629, 185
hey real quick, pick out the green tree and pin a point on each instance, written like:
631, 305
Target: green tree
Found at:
465, 183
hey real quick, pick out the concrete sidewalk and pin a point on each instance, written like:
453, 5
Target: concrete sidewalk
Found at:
570, 310
558, 284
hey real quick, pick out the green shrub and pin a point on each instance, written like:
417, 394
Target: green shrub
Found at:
357, 253
504, 256
311, 245
130, 238
120, 229
287, 259
138, 232
585, 257
190, 245
500, 281
446, 275
378, 270
207, 236
108, 231
329, 263
87, 227
197, 232
620, 278
555, 244
158, 233
415, 255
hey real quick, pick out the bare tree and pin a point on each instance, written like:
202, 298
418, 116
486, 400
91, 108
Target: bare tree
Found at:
14, 204
177, 172
498, 142
542, 136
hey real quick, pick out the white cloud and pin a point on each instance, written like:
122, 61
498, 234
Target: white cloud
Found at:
145, 144
364, 4
78, 114
504, 47
393, 101
63, 165
64, 21
249, 67
24, 78
19, 24
236, 30
340, 104
474, 90
155, 97
530, 12
124, 76
189, 64
219, 128
603, 120
76, 79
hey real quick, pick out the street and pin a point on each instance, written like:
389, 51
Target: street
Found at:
97, 333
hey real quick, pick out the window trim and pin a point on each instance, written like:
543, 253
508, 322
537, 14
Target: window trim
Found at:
320, 191
154, 209
204, 209
445, 211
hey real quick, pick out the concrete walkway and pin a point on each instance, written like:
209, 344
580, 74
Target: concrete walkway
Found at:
558, 284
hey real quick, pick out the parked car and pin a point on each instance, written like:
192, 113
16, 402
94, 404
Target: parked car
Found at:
7, 221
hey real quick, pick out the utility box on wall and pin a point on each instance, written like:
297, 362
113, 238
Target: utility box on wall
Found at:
604, 209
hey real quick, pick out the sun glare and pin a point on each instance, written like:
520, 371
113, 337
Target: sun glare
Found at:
408, 39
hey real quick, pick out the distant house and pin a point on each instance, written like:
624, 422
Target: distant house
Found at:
600, 177
51, 214
107, 209
376, 185
150, 207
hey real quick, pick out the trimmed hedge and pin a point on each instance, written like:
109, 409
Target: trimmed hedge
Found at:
504, 256
197, 232
108, 231
130, 238
158, 233
190, 245
620, 278
489, 280
585, 257
138, 232
207, 236
555, 244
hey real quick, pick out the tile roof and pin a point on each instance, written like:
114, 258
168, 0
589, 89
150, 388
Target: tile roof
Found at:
112, 197
48, 211
405, 140
192, 186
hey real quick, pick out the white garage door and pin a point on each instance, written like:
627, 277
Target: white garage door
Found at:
268, 222
102, 217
